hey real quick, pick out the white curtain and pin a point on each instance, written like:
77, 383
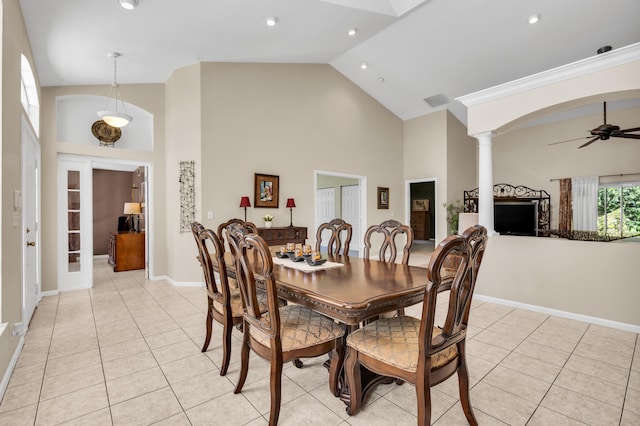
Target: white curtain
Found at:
584, 194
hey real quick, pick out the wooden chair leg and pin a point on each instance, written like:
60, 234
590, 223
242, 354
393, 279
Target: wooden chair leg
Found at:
463, 385
227, 328
354, 382
298, 363
245, 361
337, 362
276, 386
423, 394
207, 339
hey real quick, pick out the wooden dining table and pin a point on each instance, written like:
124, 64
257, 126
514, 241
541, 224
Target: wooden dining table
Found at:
358, 290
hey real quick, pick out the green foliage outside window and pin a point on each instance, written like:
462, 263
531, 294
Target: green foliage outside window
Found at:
619, 210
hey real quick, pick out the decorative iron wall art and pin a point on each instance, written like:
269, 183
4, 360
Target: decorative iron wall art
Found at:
187, 179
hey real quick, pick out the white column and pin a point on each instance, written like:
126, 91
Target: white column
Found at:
485, 181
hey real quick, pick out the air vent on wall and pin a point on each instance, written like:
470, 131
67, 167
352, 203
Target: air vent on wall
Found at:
437, 100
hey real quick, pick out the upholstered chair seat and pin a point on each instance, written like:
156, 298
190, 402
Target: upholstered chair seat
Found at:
300, 327
394, 341
236, 302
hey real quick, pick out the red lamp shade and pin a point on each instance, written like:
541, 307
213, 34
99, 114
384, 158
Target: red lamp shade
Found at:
290, 203
244, 202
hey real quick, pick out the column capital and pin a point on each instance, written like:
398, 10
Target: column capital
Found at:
485, 135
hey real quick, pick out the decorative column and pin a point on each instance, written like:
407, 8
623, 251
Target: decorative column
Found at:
485, 181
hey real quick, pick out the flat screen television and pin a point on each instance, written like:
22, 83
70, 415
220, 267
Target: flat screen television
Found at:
516, 218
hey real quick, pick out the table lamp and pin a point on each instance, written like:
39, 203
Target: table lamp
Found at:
131, 209
290, 205
244, 202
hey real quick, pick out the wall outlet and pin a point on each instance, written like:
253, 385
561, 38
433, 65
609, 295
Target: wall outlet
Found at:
209, 215
17, 329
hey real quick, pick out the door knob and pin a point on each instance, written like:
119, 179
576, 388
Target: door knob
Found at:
31, 243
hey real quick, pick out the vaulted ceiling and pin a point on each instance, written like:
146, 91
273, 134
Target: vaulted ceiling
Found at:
414, 49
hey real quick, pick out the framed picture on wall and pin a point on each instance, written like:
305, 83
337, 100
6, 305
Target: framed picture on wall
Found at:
383, 197
267, 190
420, 205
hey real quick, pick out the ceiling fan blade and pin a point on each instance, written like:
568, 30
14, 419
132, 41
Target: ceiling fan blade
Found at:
569, 140
624, 135
635, 129
590, 142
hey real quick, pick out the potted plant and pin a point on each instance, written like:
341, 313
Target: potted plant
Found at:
453, 210
268, 219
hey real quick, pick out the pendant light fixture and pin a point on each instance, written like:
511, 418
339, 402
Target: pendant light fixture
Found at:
114, 117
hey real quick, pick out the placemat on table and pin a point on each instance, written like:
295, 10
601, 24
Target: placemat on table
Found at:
304, 266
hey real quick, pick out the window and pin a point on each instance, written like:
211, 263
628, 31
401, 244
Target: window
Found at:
619, 209
29, 95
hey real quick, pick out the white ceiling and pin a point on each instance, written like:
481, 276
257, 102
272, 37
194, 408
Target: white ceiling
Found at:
420, 48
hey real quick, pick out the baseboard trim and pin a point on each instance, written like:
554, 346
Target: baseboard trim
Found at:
12, 364
569, 315
100, 256
49, 293
177, 283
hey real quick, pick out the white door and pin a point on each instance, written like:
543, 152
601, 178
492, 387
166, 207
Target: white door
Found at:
75, 229
325, 210
30, 220
351, 213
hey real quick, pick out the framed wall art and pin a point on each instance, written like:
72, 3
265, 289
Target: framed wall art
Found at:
383, 197
267, 191
420, 205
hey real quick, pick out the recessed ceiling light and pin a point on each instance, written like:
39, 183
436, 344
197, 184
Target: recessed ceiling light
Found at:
352, 31
272, 20
380, 79
534, 18
128, 4
364, 65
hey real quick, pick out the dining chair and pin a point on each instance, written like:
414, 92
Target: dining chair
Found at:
222, 228
280, 334
196, 228
417, 350
390, 230
339, 239
223, 304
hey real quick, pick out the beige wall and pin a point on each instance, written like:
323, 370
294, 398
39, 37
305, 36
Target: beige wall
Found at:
14, 44
289, 120
437, 146
147, 96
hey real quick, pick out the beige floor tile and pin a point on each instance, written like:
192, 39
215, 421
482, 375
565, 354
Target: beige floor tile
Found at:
136, 384
634, 380
451, 387
381, 412
97, 418
545, 417
517, 383
632, 401
620, 356
72, 405
601, 370
335, 404
544, 353
455, 417
146, 409
166, 338
258, 368
628, 418
158, 327
486, 351
532, 367
580, 407
120, 336
72, 362
592, 387
229, 409
128, 365
124, 349
175, 351
259, 395
24, 416
20, 396
67, 348
61, 384
27, 374
563, 343
179, 419
311, 375
502, 405
186, 368
34, 356
404, 396
314, 413
202, 388
478, 368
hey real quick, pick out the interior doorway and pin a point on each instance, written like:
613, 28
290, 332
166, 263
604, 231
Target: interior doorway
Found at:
341, 195
422, 208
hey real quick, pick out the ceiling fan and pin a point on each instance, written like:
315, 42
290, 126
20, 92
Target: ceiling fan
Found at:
604, 132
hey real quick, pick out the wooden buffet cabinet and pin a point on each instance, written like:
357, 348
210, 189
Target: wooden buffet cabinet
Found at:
126, 250
283, 235
420, 225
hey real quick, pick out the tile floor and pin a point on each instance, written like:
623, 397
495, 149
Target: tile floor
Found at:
127, 353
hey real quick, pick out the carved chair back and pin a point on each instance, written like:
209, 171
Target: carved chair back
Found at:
196, 228
212, 255
222, 230
390, 230
340, 237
